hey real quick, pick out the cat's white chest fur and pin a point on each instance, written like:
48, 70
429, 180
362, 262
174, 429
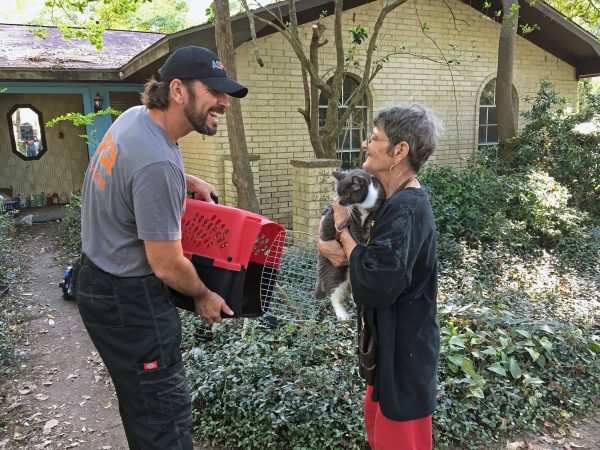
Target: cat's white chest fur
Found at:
368, 203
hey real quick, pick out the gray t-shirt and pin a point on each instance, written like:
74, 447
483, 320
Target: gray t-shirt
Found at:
134, 190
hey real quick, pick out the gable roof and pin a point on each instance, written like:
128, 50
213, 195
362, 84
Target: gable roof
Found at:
135, 56
557, 35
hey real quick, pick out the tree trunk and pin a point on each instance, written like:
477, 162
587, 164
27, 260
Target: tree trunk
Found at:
242, 173
506, 55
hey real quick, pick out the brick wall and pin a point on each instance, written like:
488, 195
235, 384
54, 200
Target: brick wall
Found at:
277, 132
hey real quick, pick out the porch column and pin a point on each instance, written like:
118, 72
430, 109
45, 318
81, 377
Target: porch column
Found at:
313, 189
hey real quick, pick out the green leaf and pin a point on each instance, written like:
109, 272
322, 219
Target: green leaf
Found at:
456, 359
534, 354
490, 351
515, 370
468, 367
523, 333
476, 391
497, 368
595, 347
546, 328
544, 342
456, 342
541, 361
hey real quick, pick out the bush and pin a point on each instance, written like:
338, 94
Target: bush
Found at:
564, 144
293, 387
502, 373
543, 207
6, 241
470, 205
70, 227
479, 207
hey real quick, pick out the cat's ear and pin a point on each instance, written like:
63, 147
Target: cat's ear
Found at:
357, 179
338, 175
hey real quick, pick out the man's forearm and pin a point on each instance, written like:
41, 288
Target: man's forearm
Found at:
182, 277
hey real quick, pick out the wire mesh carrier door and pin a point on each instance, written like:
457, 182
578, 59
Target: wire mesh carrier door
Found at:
245, 258
289, 292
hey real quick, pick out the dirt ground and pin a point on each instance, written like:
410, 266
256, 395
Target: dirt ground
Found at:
60, 396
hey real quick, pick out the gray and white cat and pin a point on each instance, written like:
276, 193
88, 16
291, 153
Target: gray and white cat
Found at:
363, 193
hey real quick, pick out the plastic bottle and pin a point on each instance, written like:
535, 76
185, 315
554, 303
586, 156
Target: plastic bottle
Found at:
21, 201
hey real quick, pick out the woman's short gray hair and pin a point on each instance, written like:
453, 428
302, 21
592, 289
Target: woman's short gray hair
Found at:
415, 125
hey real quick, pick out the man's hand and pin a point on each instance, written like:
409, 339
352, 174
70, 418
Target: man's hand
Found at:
201, 189
333, 251
209, 307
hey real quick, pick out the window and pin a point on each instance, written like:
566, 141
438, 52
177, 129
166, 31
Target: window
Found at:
488, 121
26, 130
354, 131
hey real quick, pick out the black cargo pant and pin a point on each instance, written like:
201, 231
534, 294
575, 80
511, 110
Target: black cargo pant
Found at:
136, 329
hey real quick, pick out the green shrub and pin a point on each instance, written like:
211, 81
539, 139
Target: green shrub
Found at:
70, 227
543, 207
294, 387
6, 242
502, 373
556, 141
297, 386
469, 205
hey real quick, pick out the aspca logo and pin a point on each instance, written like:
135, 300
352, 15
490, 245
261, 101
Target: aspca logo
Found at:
218, 65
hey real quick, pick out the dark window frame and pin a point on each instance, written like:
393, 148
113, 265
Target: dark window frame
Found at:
11, 132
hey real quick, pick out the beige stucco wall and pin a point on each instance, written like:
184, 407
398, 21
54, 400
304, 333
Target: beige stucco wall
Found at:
277, 132
62, 167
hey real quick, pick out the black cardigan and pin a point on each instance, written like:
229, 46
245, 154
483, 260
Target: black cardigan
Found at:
395, 277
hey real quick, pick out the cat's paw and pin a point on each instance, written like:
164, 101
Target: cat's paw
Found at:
341, 313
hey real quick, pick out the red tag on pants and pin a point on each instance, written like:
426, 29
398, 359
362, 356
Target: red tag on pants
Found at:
151, 365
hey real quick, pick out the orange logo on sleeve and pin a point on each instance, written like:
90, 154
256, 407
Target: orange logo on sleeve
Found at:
104, 160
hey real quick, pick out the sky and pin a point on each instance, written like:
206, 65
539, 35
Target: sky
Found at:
22, 11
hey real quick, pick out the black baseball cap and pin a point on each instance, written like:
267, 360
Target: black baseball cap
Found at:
199, 63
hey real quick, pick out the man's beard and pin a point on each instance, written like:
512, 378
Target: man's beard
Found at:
197, 119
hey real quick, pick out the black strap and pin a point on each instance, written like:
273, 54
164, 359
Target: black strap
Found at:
400, 188
403, 185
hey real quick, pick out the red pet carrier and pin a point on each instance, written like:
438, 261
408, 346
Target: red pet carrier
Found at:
230, 249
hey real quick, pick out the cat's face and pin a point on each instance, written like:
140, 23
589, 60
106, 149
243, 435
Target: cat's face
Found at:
352, 186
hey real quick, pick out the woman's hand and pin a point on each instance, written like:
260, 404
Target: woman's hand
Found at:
341, 215
200, 189
334, 252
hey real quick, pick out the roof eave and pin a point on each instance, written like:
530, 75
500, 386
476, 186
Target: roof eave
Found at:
148, 61
204, 35
91, 75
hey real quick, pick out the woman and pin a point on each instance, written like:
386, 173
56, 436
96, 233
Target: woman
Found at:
394, 281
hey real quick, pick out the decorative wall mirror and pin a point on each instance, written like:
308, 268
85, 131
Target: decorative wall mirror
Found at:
26, 130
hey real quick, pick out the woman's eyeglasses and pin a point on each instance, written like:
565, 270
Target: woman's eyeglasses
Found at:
372, 138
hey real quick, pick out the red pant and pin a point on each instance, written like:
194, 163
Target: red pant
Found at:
386, 434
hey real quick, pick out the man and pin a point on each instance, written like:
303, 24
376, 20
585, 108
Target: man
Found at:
133, 198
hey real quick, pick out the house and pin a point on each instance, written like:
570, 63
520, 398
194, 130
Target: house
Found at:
43, 78
418, 37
